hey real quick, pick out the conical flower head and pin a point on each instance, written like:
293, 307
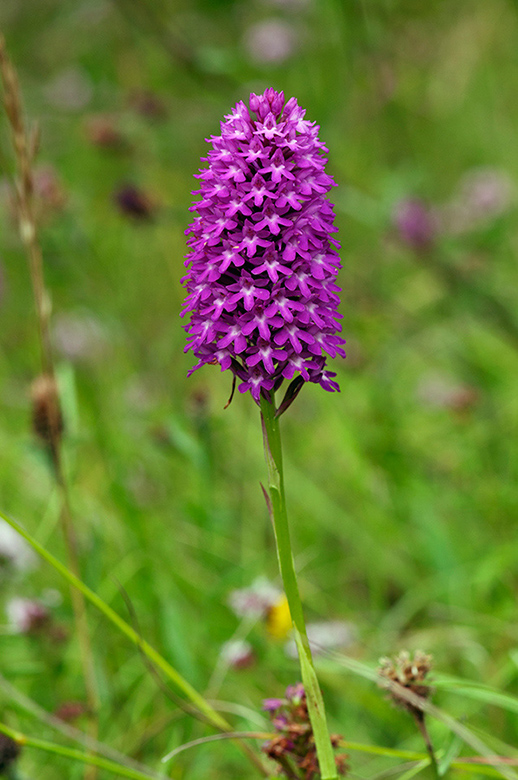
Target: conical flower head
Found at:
262, 264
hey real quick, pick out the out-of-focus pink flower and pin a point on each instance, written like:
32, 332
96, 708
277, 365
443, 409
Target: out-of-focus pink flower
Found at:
49, 193
482, 195
415, 224
271, 41
271, 705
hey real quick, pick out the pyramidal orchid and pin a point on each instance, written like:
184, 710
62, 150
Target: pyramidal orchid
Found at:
262, 298
262, 264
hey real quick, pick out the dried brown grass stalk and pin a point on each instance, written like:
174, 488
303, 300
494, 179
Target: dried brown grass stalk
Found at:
47, 419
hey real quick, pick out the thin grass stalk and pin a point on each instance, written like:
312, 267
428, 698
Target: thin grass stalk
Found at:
317, 715
25, 148
419, 718
76, 755
214, 718
65, 729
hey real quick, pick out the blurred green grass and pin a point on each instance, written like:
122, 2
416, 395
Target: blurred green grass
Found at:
403, 506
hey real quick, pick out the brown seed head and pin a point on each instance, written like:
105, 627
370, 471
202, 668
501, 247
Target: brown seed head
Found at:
70, 711
410, 673
47, 420
102, 131
134, 202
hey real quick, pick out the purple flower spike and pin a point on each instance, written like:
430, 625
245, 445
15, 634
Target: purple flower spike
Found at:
262, 261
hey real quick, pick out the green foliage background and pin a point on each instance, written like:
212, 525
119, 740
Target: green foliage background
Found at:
403, 512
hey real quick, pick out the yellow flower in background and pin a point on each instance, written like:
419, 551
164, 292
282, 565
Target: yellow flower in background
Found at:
278, 618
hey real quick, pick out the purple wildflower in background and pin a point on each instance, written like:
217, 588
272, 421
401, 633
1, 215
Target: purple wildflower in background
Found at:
415, 224
262, 264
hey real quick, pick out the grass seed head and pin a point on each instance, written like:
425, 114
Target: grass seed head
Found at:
47, 420
410, 673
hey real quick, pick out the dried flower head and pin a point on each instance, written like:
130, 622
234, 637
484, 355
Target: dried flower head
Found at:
69, 711
9, 752
293, 743
47, 420
147, 104
411, 674
102, 131
134, 202
262, 263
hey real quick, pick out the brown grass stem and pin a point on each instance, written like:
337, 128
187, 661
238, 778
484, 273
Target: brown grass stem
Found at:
25, 144
419, 719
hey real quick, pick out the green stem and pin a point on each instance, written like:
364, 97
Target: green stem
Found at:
273, 455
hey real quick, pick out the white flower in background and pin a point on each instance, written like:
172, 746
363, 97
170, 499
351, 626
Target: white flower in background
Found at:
237, 653
256, 600
70, 90
325, 635
26, 615
271, 41
441, 392
15, 553
79, 336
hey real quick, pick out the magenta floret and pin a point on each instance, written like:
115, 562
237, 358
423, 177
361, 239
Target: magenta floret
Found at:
262, 261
